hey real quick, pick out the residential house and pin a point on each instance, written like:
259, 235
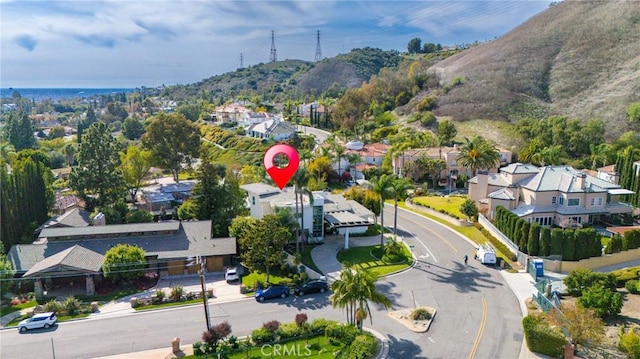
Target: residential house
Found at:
229, 113
331, 209
312, 111
75, 217
372, 155
551, 195
275, 130
67, 253
160, 198
449, 155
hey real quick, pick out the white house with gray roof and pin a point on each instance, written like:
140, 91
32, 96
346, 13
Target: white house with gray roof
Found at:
274, 129
550, 195
339, 214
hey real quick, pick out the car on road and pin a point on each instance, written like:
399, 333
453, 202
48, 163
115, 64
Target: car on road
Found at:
312, 286
274, 291
231, 275
42, 320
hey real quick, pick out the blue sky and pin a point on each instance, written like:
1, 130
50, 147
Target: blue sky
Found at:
133, 43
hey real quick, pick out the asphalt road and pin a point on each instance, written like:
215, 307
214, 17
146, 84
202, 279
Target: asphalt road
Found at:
478, 315
321, 135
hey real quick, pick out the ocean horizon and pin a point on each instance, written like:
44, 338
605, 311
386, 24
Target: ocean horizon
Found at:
56, 94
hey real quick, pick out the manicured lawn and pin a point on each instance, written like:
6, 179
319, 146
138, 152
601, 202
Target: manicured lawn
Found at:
168, 304
366, 258
14, 308
307, 260
108, 297
448, 204
249, 279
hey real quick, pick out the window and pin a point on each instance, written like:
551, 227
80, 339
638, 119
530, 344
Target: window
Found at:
596, 201
554, 199
573, 202
253, 200
561, 201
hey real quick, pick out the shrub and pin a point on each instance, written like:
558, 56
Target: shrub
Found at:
15, 301
289, 330
198, 349
345, 333
363, 346
624, 275
580, 279
603, 300
53, 306
176, 293
271, 326
262, 336
542, 338
301, 319
420, 314
615, 244
159, 296
320, 324
632, 286
72, 305
216, 333
630, 342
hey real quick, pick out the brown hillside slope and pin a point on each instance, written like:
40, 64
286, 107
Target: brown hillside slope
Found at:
577, 58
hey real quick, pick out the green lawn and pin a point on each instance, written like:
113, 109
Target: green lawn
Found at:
364, 257
249, 279
102, 298
447, 204
14, 308
307, 260
168, 304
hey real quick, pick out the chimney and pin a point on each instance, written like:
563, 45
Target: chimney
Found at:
99, 219
581, 180
483, 185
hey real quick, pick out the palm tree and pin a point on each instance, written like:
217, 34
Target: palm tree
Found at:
598, 154
70, 151
300, 180
353, 290
549, 155
354, 158
398, 190
381, 188
339, 151
478, 153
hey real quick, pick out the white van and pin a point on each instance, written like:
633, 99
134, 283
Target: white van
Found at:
486, 254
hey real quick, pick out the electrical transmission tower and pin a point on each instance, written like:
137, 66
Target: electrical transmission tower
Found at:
318, 51
241, 61
274, 56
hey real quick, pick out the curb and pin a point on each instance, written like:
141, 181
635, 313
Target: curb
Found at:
383, 352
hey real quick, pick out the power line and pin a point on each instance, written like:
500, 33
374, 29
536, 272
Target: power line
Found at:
318, 50
274, 56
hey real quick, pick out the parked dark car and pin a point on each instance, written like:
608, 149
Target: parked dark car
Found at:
312, 286
274, 291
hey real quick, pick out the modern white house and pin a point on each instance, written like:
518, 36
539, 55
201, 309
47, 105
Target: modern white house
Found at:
274, 129
550, 195
327, 211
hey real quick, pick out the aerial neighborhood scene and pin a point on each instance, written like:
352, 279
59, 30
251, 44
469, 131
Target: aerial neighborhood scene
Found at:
372, 179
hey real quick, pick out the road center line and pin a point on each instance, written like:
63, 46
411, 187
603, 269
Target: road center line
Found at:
446, 241
476, 343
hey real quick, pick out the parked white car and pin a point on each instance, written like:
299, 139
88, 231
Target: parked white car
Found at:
42, 320
231, 275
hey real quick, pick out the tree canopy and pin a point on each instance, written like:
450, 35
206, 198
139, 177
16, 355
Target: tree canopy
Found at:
173, 140
135, 166
97, 177
124, 261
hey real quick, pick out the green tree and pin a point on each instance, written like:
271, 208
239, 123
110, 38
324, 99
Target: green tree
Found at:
132, 128
414, 46
218, 197
97, 177
300, 181
469, 209
353, 290
139, 216
398, 191
580, 279
381, 187
124, 261
70, 152
188, 210
19, 131
173, 140
603, 301
261, 242
6, 274
135, 167
533, 246
478, 153
446, 132
633, 111
557, 237
545, 242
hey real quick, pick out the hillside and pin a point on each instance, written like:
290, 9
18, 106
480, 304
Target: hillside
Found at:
578, 58
291, 78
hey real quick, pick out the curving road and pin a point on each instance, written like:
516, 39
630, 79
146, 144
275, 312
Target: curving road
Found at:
478, 316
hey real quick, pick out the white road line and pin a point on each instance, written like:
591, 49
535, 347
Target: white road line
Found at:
424, 245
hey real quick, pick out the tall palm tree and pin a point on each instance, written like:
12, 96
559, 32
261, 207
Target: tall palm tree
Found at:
478, 153
339, 151
354, 158
598, 154
381, 188
398, 190
300, 180
550, 155
353, 290
70, 151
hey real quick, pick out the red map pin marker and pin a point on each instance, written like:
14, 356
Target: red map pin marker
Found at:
281, 175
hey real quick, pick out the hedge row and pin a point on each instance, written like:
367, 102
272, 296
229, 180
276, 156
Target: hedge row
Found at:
542, 338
